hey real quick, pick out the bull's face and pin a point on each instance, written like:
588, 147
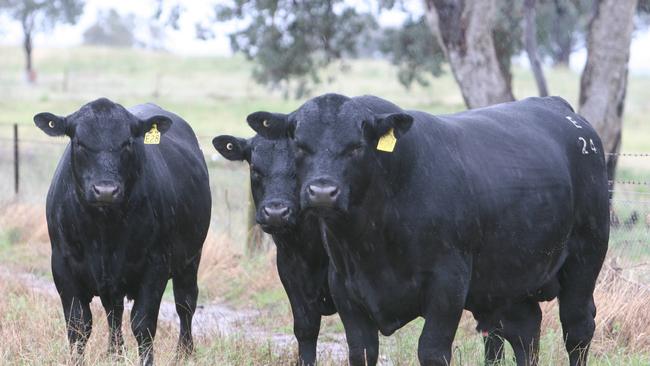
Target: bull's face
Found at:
107, 150
335, 142
272, 174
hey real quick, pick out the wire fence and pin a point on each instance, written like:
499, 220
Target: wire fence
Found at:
28, 161
25, 177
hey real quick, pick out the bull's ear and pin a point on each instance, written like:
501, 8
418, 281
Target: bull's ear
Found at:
399, 122
51, 124
163, 123
270, 125
232, 148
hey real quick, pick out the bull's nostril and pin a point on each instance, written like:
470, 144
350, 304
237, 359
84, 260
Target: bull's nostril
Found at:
334, 192
96, 189
285, 213
311, 189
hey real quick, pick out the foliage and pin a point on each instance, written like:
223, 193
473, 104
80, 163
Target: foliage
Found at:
291, 41
414, 51
562, 27
111, 29
42, 15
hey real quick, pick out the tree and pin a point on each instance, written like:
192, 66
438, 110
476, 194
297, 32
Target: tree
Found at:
412, 49
40, 15
530, 41
562, 27
111, 29
466, 29
603, 83
291, 41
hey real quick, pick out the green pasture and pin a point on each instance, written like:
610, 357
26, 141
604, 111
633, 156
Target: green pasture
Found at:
215, 94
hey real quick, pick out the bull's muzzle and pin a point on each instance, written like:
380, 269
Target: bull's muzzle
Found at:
322, 194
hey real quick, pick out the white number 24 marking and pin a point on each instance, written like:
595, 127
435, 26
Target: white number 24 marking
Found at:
584, 146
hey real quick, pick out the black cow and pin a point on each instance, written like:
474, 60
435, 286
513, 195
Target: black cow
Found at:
491, 210
125, 217
301, 260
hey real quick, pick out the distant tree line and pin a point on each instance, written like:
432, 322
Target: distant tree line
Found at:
111, 29
290, 42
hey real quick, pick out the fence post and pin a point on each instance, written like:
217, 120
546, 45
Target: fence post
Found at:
16, 162
253, 233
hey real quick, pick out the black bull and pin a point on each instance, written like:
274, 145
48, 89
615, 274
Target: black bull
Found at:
301, 259
124, 217
491, 210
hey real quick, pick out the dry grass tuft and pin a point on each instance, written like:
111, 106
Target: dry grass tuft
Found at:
25, 221
225, 274
622, 319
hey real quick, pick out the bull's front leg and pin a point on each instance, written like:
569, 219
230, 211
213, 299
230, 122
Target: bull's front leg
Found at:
446, 295
144, 315
361, 333
302, 288
76, 308
114, 308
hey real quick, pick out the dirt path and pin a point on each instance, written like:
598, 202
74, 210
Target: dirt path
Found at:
210, 319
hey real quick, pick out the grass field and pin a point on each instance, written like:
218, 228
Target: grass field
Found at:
215, 95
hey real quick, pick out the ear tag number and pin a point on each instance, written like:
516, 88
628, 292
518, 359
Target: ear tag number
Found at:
153, 136
387, 142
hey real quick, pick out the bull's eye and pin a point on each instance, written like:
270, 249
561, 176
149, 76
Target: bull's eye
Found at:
229, 146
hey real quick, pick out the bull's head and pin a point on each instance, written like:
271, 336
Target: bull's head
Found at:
106, 149
335, 140
272, 175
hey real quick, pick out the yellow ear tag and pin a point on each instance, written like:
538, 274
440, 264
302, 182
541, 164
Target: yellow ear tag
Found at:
153, 136
387, 142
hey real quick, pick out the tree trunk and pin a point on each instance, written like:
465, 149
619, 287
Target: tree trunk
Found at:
604, 79
562, 39
464, 29
27, 24
530, 43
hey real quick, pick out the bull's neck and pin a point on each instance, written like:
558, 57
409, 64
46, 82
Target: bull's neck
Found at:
359, 231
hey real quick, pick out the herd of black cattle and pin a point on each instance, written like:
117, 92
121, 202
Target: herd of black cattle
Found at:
378, 213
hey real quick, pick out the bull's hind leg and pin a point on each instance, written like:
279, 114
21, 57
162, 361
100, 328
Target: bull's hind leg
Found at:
578, 279
494, 346
521, 328
519, 324
186, 292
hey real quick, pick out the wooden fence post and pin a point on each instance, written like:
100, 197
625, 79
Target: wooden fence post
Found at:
253, 232
16, 161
